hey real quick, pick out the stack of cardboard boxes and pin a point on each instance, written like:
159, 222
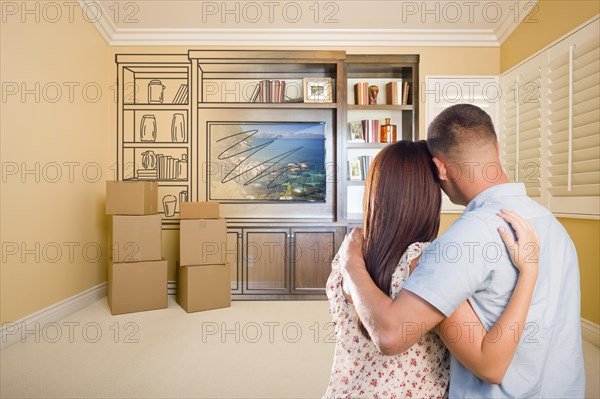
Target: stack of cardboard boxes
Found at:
137, 274
203, 276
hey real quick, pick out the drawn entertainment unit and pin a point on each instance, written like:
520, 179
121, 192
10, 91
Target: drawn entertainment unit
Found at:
271, 136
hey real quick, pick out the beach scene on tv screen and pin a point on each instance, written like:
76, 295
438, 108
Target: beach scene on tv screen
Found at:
266, 161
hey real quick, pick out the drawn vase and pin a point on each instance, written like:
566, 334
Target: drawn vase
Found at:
182, 168
149, 160
178, 131
148, 129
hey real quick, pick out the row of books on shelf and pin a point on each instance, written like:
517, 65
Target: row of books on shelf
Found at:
358, 169
166, 168
182, 95
396, 93
269, 91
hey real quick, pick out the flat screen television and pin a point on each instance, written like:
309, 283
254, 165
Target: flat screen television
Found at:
267, 161
266, 164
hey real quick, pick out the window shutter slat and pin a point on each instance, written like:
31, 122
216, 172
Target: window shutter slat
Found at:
590, 190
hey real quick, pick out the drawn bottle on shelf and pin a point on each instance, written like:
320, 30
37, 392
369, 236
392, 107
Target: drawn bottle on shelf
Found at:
156, 92
148, 129
183, 196
388, 132
182, 171
178, 131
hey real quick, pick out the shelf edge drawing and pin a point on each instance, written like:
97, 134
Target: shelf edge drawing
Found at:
266, 161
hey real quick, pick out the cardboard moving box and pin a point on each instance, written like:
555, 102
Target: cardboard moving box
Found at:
137, 286
131, 198
202, 242
199, 210
136, 238
204, 287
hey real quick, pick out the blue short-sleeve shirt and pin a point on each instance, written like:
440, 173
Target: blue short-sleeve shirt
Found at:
470, 262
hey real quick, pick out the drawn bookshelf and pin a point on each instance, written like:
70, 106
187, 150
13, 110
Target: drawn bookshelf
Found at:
153, 122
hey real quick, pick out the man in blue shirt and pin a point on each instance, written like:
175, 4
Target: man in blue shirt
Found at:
470, 262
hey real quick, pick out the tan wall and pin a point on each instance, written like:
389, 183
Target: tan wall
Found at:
57, 212
552, 19
586, 236
447, 220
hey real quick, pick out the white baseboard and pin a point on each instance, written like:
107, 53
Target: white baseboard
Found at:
590, 332
13, 332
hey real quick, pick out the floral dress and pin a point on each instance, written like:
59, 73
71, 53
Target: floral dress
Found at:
360, 371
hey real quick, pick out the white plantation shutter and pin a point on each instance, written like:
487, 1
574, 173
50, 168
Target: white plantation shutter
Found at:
573, 112
530, 130
521, 125
508, 124
550, 138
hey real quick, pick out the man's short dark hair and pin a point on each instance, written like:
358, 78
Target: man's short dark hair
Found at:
459, 128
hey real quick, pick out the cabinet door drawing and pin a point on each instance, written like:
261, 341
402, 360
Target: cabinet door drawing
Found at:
234, 258
313, 251
266, 261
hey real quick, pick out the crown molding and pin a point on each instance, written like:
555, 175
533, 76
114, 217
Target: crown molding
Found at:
298, 37
116, 36
508, 25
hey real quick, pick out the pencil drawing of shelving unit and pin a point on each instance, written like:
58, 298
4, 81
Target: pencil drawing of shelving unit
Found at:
173, 108
153, 124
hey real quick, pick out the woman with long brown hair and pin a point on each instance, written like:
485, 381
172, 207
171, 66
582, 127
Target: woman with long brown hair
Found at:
402, 206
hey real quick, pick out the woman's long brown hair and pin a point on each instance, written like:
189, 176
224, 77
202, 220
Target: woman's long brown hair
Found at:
401, 206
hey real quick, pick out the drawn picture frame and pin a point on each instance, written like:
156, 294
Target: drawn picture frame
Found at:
318, 90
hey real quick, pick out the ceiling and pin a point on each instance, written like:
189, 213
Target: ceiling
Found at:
307, 22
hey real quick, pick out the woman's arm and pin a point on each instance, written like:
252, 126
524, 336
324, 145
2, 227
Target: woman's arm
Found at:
394, 325
488, 354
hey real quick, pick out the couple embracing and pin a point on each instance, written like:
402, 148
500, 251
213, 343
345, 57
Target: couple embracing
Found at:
489, 309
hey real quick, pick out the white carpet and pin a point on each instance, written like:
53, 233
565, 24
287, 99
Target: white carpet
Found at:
251, 350
280, 350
